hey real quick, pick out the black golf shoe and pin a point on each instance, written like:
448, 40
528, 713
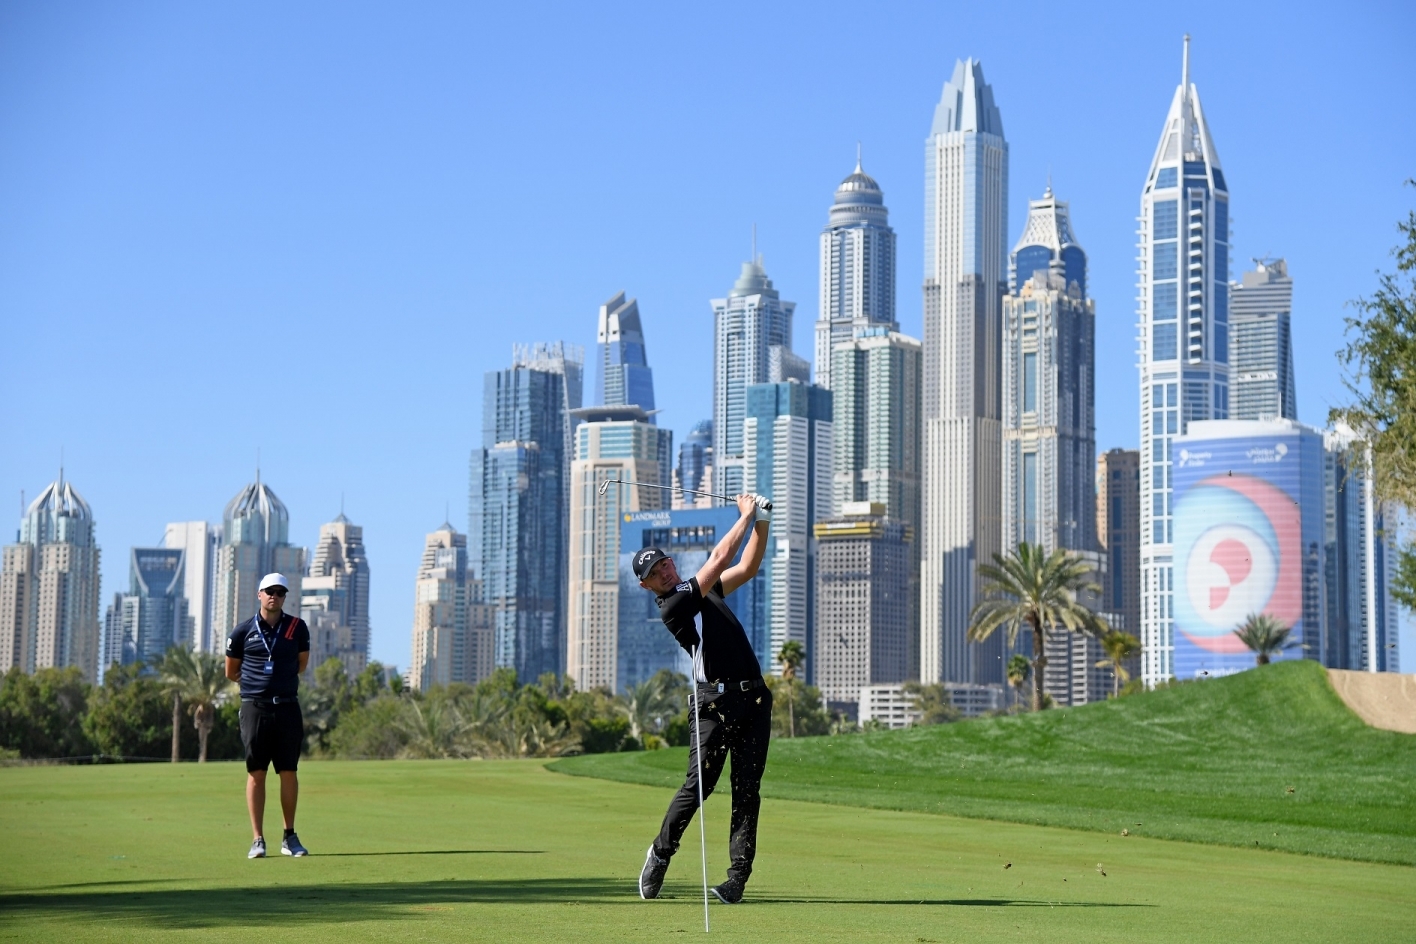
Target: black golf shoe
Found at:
730, 892
651, 877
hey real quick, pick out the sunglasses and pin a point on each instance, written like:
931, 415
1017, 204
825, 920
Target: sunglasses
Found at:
275, 592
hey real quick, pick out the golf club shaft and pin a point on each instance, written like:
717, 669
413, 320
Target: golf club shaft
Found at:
698, 754
668, 488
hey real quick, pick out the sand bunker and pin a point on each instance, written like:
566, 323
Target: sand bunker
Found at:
1384, 700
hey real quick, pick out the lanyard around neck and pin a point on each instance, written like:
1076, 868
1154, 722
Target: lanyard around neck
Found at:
269, 643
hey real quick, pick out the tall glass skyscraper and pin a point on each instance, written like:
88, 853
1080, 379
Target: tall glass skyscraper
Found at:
334, 598
151, 617
1261, 307
965, 253
1184, 320
1049, 388
695, 466
750, 326
857, 268
518, 503
625, 378
256, 526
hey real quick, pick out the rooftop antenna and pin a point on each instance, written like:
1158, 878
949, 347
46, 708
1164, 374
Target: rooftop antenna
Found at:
1185, 66
858, 170
258, 467
61, 468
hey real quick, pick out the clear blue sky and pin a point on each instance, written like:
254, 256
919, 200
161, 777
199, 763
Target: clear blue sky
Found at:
311, 228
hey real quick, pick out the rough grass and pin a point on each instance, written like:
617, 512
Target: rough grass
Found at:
510, 852
1210, 762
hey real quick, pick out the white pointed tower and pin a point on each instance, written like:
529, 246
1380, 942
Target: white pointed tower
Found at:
1183, 314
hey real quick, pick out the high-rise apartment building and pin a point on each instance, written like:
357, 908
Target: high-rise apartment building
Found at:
612, 444
1049, 388
334, 597
625, 378
748, 325
49, 586
787, 452
445, 650
1184, 320
865, 602
519, 500
256, 526
199, 540
142, 624
1260, 322
695, 467
1361, 629
965, 252
857, 269
1118, 532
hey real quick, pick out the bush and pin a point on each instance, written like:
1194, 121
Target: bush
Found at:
370, 730
41, 715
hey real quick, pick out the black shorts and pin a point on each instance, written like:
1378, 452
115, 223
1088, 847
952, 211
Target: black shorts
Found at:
272, 734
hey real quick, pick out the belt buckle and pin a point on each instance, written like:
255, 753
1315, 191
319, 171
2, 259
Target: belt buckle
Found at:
745, 686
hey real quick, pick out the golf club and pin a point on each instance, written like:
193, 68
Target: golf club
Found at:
698, 755
605, 486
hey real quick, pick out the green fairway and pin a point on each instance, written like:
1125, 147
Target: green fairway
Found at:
1208, 762
509, 851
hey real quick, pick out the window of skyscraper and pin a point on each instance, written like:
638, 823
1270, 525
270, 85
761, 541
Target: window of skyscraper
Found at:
1166, 218
1163, 265
1166, 178
1163, 301
1030, 382
1221, 344
1030, 497
1221, 220
1163, 342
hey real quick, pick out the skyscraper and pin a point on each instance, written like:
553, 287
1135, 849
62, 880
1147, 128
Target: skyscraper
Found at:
1260, 317
857, 268
1118, 531
615, 444
49, 586
1361, 629
442, 644
787, 453
695, 466
334, 597
625, 378
200, 541
256, 526
965, 248
519, 502
1184, 320
865, 602
152, 616
747, 325
1049, 388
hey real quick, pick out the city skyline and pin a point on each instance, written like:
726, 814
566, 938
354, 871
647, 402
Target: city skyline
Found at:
191, 474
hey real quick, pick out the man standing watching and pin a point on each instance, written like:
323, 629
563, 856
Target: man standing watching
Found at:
266, 654
734, 704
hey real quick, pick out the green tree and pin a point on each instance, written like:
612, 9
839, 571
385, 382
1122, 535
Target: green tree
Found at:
650, 705
128, 714
1032, 588
791, 658
370, 731
331, 694
1380, 357
1265, 636
1119, 648
932, 702
1019, 671
41, 714
797, 708
199, 679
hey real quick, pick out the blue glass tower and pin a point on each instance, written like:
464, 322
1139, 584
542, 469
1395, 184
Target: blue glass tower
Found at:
625, 378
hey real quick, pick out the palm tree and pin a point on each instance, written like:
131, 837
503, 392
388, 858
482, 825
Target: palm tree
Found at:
932, 702
647, 704
1119, 647
200, 679
1265, 636
791, 657
1030, 587
1019, 671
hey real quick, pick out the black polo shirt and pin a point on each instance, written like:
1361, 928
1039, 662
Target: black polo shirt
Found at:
255, 641
691, 616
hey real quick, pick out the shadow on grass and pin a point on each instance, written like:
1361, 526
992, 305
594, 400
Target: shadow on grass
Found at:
948, 902
297, 904
325, 855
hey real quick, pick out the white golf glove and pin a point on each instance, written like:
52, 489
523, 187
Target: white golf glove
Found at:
764, 507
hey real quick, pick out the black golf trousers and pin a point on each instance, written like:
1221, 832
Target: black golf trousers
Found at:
736, 724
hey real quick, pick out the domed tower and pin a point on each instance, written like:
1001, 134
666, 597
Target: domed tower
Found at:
256, 528
49, 586
857, 267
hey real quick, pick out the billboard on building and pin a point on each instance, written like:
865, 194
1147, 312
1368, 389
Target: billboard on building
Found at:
1248, 518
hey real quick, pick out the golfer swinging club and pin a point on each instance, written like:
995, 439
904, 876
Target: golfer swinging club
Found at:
734, 704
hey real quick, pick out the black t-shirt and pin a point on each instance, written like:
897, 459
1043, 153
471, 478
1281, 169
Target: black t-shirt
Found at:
255, 642
691, 615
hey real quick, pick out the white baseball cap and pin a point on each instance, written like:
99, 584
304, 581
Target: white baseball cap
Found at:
274, 580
